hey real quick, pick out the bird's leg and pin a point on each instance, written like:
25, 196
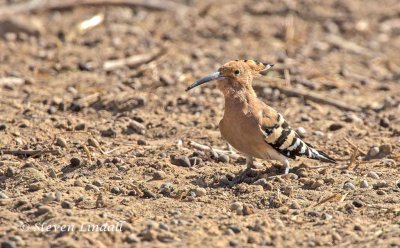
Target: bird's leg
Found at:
287, 165
230, 148
249, 162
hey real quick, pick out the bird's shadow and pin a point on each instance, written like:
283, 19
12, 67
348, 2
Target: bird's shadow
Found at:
243, 176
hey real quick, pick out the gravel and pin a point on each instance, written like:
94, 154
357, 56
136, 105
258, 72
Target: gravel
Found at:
180, 161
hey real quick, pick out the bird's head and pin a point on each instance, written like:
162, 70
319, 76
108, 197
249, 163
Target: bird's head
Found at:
234, 75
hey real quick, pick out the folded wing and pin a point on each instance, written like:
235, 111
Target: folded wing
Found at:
285, 140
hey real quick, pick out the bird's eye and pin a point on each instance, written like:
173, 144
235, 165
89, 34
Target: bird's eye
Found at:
237, 72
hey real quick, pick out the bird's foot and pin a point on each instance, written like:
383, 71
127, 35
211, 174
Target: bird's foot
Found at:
249, 174
287, 170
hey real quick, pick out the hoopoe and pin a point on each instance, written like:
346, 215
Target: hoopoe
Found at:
251, 126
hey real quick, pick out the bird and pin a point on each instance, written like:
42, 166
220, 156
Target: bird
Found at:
251, 126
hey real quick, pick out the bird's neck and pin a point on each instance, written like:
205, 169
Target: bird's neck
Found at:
243, 98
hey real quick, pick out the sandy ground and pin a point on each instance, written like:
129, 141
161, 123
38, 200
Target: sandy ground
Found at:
115, 165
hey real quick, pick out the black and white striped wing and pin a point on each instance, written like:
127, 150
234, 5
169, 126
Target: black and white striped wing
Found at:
286, 141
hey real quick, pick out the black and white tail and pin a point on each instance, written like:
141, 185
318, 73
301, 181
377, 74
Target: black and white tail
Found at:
286, 141
320, 155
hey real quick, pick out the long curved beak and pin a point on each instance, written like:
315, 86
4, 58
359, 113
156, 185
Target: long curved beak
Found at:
204, 80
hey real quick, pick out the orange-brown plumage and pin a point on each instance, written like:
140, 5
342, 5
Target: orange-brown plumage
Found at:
251, 126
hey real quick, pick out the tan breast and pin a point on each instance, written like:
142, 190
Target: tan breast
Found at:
240, 127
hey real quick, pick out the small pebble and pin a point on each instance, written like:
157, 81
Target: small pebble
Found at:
251, 239
148, 194
61, 142
373, 152
349, 186
3, 196
269, 186
141, 142
336, 237
132, 238
385, 150
214, 155
166, 237
180, 161
302, 172
233, 243
295, 205
58, 196
379, 185
373, 175
137, 127
357, 227
78, 182
80, 127
159, 175
92, 187
302, 132
235, 228
116, 160
236, 206
166, 189
148, 235
67, 205
93, 142
313, 214
98, 183
48, 197
125, 226
381, 192
287, 190
326, 216
35, 186
163, 226
10, 172
111, 133
3, 126
318, 133
358, 203
364, 184
75, 162
317, 184
7, 244
116, 190
116, 177
52, 173
384, 122
335, 126
200, 192
223, 158
261, 181
43, 209
248, 209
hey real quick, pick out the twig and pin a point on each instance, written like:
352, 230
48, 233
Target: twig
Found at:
287, 77
207, 148
27, 152
132, 61
316, 98
332, 197
49, 5
348, 45
354, 146
88, 155
321, 166
8, 81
